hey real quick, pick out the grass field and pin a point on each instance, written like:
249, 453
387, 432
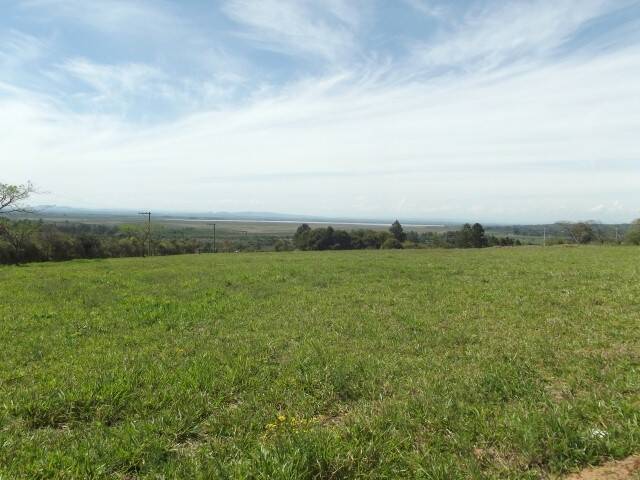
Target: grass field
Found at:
494, 363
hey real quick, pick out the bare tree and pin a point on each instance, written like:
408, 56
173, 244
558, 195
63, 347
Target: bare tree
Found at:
13, 196
16, 234
579, 232
565, 226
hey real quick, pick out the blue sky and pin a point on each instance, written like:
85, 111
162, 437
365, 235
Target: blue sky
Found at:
507, 111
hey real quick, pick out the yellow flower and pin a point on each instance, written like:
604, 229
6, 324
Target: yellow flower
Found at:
282, 418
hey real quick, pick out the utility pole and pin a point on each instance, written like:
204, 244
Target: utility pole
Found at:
214, 237
148, 214
617, 241
544, 240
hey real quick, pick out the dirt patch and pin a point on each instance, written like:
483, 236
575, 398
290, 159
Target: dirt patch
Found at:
494, 458
332, 420
189, 448
627, 469
559, 391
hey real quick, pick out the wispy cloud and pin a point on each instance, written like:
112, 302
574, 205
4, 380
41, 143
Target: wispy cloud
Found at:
138, 18
184, 67
433, 145
113, 79
124, 89
298, 27
16, 46
428, 7
507, 31
491, 116
17, 50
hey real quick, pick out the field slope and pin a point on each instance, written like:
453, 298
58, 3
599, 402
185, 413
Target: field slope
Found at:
499, 363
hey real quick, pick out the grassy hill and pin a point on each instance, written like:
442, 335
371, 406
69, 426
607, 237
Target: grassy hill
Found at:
499, 363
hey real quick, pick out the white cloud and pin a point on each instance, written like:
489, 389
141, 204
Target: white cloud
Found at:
506, 31
18, 47
539, 137
19, 51
428, 7
185, 65
298, 27
130, 89
349, 12
543, 138
112, 79
140, 18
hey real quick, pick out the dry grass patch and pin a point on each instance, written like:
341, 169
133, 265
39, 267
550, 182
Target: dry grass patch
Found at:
627, 469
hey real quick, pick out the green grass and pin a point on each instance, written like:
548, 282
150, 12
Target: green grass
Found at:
499, 363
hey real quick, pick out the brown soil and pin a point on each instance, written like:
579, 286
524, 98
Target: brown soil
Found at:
627, 469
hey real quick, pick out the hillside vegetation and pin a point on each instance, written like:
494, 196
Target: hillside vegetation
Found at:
440, 364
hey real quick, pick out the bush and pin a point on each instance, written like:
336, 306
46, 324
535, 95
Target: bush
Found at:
391, 243
633, 235
283, 245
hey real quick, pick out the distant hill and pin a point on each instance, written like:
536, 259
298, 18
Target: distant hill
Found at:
56, 210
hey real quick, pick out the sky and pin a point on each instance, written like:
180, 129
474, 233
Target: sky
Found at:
474, 110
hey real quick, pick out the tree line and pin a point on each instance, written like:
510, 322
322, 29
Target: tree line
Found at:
328, 238
23, 241
28, 241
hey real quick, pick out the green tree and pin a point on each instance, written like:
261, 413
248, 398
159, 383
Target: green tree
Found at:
633, 235
464, 237
397, 231
478, 239
321, 238
391, 242
57, 245
301, 237
282, 245
413, 237
20, 237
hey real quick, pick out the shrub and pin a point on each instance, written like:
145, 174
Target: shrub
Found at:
390, 243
